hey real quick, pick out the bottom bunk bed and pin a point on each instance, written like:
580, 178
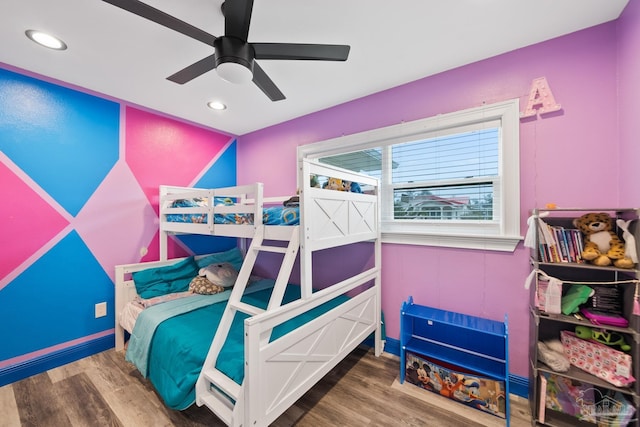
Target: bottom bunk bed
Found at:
272, 358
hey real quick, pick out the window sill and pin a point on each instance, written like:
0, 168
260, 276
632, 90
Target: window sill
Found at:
488, 243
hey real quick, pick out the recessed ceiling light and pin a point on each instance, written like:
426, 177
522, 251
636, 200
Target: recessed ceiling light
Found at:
46, 40
216, 105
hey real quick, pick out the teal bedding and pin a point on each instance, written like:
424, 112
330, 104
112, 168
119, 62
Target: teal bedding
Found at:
181, 343
146, 325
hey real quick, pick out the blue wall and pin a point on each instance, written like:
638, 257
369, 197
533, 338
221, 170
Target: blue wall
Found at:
66, 186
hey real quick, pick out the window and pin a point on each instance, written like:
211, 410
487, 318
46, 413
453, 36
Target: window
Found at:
450, 180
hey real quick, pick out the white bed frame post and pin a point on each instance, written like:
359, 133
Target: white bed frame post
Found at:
379, 342
121, 299
306, 269
164, 236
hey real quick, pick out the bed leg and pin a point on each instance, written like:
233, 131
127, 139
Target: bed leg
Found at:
119, 338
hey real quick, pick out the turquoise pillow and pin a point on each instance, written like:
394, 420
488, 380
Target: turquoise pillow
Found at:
232, 256
154, 282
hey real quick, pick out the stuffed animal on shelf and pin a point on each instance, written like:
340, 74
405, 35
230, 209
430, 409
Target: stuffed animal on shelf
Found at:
603, 337
602, 246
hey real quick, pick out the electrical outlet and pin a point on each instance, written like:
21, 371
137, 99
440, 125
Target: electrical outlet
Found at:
101, 309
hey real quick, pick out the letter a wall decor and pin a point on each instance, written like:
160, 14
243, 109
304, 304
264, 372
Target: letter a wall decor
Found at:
541, 99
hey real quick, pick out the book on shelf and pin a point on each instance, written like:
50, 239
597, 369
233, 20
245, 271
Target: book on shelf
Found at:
558, 244
573, 250
561, 243
543, 399
579, 244
548, 250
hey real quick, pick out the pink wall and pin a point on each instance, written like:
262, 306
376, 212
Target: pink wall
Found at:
89, 169
569, 158
629, 103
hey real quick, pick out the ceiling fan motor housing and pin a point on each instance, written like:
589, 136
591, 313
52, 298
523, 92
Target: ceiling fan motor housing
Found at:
231, 49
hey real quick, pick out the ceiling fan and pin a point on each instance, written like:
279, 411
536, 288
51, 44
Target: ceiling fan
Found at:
234, 57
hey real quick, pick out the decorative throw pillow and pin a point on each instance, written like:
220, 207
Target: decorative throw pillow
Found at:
202, 285
233, 256
154, 282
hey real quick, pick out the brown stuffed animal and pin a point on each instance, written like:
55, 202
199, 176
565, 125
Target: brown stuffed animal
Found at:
602, 246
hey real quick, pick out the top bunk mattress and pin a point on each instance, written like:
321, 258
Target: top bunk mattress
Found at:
275, 215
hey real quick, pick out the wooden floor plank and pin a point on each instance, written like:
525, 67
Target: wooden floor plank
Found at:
82, 402
133, 407
105, 390
39, 403
8, 408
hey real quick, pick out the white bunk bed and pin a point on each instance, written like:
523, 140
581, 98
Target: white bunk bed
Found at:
279, 371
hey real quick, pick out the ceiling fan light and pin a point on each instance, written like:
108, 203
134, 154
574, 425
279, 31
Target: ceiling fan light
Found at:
234, 72
216, 105
46, 40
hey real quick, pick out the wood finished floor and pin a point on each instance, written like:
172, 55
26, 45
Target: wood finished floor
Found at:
105, 390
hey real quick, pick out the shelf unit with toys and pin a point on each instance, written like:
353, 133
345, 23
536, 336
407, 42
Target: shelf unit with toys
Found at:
583, 382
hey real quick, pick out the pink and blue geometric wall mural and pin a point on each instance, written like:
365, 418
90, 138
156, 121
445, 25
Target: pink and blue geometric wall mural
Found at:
79, 175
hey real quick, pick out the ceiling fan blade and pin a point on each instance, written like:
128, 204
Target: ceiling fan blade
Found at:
318, 52
262, 80
162, 18
194, 70
237, 17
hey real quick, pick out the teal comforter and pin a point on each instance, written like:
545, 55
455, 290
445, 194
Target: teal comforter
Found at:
180, 344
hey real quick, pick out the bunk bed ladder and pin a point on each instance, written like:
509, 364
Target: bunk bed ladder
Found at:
213, 388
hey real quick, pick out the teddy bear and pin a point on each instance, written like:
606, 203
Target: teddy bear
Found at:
602, 246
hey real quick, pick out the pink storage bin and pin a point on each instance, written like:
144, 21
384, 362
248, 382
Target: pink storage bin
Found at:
598, 359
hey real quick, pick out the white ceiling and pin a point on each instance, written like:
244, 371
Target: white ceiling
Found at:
124, 56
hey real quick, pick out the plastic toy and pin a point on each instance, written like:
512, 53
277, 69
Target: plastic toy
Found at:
603, 337
335, 184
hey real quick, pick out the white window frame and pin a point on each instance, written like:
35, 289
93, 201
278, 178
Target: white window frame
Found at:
499, 235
